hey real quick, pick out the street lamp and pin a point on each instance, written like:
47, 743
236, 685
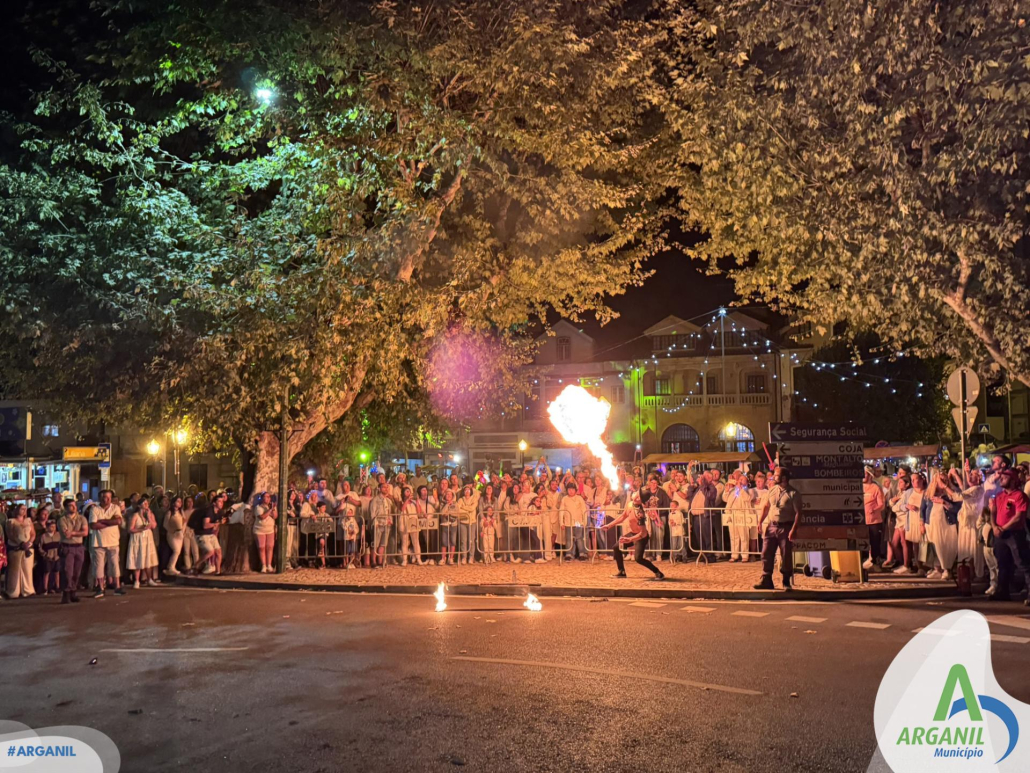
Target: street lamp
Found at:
154, 449
523, 445
180, 437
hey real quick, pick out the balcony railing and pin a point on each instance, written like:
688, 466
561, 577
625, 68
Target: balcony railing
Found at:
700, 401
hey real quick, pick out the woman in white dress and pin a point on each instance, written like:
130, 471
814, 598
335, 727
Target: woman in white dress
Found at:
940, 532
20, 535
141, 557
969, 547
900, 542
175, 531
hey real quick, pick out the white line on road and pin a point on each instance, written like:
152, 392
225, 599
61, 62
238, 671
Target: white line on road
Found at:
697, 609
751, 614
876, 626
647, 604
1011, 621
1010, 639
605, 672
802, 619
183, 649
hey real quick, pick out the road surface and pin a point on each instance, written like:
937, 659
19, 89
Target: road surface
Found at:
192, 679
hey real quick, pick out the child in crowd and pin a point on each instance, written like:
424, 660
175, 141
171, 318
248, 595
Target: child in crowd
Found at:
351, 535
488, 532
49, 547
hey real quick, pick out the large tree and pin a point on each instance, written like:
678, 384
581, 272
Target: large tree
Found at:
218, 212
867, 162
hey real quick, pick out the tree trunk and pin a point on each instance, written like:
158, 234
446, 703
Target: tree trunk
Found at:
266, 473
248, 466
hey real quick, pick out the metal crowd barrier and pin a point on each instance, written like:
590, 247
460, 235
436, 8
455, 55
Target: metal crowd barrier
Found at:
679, 536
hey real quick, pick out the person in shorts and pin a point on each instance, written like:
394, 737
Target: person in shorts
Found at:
211, 519
105, 519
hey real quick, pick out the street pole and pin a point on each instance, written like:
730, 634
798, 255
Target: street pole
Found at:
284, 469
722, 344
962, 434
178, 483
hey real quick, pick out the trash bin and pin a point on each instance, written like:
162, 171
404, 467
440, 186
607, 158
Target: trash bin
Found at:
846, 565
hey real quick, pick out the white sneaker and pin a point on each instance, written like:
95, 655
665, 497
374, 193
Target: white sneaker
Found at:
933, 575
450, 562
991, 590
946, 576
208, 569
135, 585
516, 560
172, 572
350, 566
151, 583
868, 563
901, 570
539, 561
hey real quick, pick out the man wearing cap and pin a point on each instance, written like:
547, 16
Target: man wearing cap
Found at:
1008, 521
783, 511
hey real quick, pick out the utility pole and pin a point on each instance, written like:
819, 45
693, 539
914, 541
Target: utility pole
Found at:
284, 469
722, 344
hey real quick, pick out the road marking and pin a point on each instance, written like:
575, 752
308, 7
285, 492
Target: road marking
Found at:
876, 626
606, 672
1010, 639
183, 649
647, 604
1010, 621
751, 614
697, 609
801, 619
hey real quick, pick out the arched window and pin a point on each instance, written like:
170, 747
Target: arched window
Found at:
736, 437
564, 349
680, 439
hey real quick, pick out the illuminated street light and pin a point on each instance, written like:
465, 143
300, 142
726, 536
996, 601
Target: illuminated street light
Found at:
523, 445
181, 435
731, 430
153, 448
265, 95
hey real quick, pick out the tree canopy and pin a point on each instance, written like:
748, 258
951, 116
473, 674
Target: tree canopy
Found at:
209, 205
867, 163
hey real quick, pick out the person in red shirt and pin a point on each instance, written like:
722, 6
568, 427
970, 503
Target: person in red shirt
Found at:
1010, 543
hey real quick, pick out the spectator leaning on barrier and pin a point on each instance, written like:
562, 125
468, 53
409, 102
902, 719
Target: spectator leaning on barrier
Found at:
783, 511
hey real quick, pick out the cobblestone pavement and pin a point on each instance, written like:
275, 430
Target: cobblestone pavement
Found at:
721, 576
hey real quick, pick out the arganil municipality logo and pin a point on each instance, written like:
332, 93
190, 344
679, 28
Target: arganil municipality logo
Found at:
939, 701
963, 739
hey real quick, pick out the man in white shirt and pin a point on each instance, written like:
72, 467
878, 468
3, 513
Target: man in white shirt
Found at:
739, 503
105, 520
574, 513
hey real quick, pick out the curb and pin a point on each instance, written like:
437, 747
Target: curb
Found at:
519, 589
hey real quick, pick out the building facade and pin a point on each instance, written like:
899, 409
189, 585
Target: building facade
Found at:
688, 389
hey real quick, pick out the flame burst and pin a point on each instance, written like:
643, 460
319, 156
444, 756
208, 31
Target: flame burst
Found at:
441, 605
582, 418
532, 603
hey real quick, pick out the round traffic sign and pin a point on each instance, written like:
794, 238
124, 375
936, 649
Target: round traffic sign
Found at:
955, 386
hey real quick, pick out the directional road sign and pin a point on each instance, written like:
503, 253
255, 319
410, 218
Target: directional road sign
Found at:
786, 432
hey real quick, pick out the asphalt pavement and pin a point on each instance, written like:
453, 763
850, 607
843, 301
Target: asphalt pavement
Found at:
191, 679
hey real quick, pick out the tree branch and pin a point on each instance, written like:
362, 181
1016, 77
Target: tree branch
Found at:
407, 266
